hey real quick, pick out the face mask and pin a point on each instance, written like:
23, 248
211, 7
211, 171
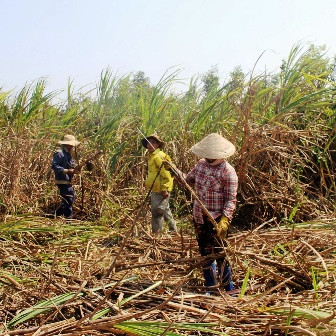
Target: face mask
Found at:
214, 162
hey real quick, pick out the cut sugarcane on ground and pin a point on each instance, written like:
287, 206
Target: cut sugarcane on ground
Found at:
54, 282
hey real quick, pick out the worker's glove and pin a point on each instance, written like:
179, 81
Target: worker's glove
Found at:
222, 227
68, 171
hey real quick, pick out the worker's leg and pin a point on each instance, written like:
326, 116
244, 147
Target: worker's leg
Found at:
205, 244
68, 197
224, 269
157, 216
168, 216
225, 274
161, 208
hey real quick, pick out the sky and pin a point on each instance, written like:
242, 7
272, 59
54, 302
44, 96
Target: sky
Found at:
77, 39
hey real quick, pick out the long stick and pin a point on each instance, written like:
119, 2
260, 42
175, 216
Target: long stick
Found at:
145, 138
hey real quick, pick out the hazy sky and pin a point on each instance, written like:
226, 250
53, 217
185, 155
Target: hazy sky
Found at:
59, 39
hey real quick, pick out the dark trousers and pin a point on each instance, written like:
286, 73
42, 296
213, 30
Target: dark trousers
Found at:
68, 197
208, 243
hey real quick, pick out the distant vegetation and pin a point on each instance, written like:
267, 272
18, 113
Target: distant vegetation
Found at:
283, 125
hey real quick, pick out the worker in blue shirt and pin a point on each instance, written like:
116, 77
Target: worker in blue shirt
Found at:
63, 166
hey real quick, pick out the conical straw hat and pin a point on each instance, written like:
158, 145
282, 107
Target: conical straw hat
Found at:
213, 146
69, 140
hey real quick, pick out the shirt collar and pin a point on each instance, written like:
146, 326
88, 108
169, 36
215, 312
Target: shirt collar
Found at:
155, 152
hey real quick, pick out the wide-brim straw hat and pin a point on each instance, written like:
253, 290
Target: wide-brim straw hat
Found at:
144, 141
213, 146
69, 139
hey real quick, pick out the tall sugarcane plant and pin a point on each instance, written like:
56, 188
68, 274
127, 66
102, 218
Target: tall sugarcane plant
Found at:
297, 102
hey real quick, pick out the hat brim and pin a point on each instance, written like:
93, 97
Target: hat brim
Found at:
144, 141
213, 154
213, 147
71, 143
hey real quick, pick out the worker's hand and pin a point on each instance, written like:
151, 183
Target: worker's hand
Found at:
77, 169
165, 194
167, 164
178, 173
222, 227
70, 172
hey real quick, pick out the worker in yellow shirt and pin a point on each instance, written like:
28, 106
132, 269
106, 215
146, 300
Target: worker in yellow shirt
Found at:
161, 182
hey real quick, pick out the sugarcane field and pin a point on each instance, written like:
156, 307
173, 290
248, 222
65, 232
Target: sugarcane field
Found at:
105, 196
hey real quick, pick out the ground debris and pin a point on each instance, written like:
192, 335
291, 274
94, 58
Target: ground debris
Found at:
284, 278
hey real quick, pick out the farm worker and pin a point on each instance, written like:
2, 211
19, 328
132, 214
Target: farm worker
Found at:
161, 182
64, 168
215, 182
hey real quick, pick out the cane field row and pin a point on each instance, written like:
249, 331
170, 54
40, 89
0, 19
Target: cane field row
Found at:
103, 272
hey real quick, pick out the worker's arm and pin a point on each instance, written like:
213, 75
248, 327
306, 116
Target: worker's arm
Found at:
230, 183
58, 162
190, 177
166, 180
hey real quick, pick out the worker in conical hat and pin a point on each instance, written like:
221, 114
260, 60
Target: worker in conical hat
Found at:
216, 183
63, 166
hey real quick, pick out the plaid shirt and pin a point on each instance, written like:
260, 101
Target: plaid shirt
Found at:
216, 187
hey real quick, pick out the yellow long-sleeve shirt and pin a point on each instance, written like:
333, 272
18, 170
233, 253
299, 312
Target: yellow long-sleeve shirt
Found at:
164, 181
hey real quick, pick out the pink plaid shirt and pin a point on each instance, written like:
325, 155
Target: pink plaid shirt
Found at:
216, 187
